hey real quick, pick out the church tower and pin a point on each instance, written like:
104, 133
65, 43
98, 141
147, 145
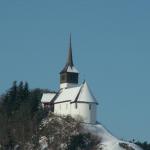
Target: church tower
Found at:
69, 75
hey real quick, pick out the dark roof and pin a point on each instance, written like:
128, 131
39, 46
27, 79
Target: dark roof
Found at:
69, 59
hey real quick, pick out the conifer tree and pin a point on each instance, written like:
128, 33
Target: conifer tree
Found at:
26, 90
10, 98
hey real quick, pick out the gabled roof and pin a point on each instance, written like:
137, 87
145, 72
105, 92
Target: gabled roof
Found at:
81, 94
69, 67
67, 94
47, 97
86, 95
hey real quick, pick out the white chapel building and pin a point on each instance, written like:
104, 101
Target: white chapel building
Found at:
72, 98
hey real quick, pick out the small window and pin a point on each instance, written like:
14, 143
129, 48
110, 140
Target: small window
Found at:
63, 77
90, 106
76, 105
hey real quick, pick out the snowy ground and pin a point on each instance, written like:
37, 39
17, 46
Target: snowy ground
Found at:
109, 142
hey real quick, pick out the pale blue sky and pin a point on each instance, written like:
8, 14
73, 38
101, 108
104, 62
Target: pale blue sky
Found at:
111, 47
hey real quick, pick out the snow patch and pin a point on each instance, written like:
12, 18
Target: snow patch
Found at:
108, 141
72, 69
43, 142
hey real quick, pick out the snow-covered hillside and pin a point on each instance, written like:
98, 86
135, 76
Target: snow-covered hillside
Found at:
57, 128
108, 141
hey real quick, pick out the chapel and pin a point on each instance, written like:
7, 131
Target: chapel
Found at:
72, 98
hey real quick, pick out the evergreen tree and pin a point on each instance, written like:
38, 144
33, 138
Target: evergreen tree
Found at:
20, 92
26, 90
20, 114
9, 99
144, 145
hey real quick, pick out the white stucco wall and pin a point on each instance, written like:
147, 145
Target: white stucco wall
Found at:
62, 108
67, 85
82, 111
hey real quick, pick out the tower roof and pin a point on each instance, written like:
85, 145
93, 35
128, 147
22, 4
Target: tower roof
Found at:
70, 59
69, 67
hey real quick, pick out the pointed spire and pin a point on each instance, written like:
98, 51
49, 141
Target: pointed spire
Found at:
70, 59
70, 42
69, 67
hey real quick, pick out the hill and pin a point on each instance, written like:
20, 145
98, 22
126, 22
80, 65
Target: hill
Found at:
26, 126
108, 141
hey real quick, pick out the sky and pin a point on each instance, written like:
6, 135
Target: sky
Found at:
111, 49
